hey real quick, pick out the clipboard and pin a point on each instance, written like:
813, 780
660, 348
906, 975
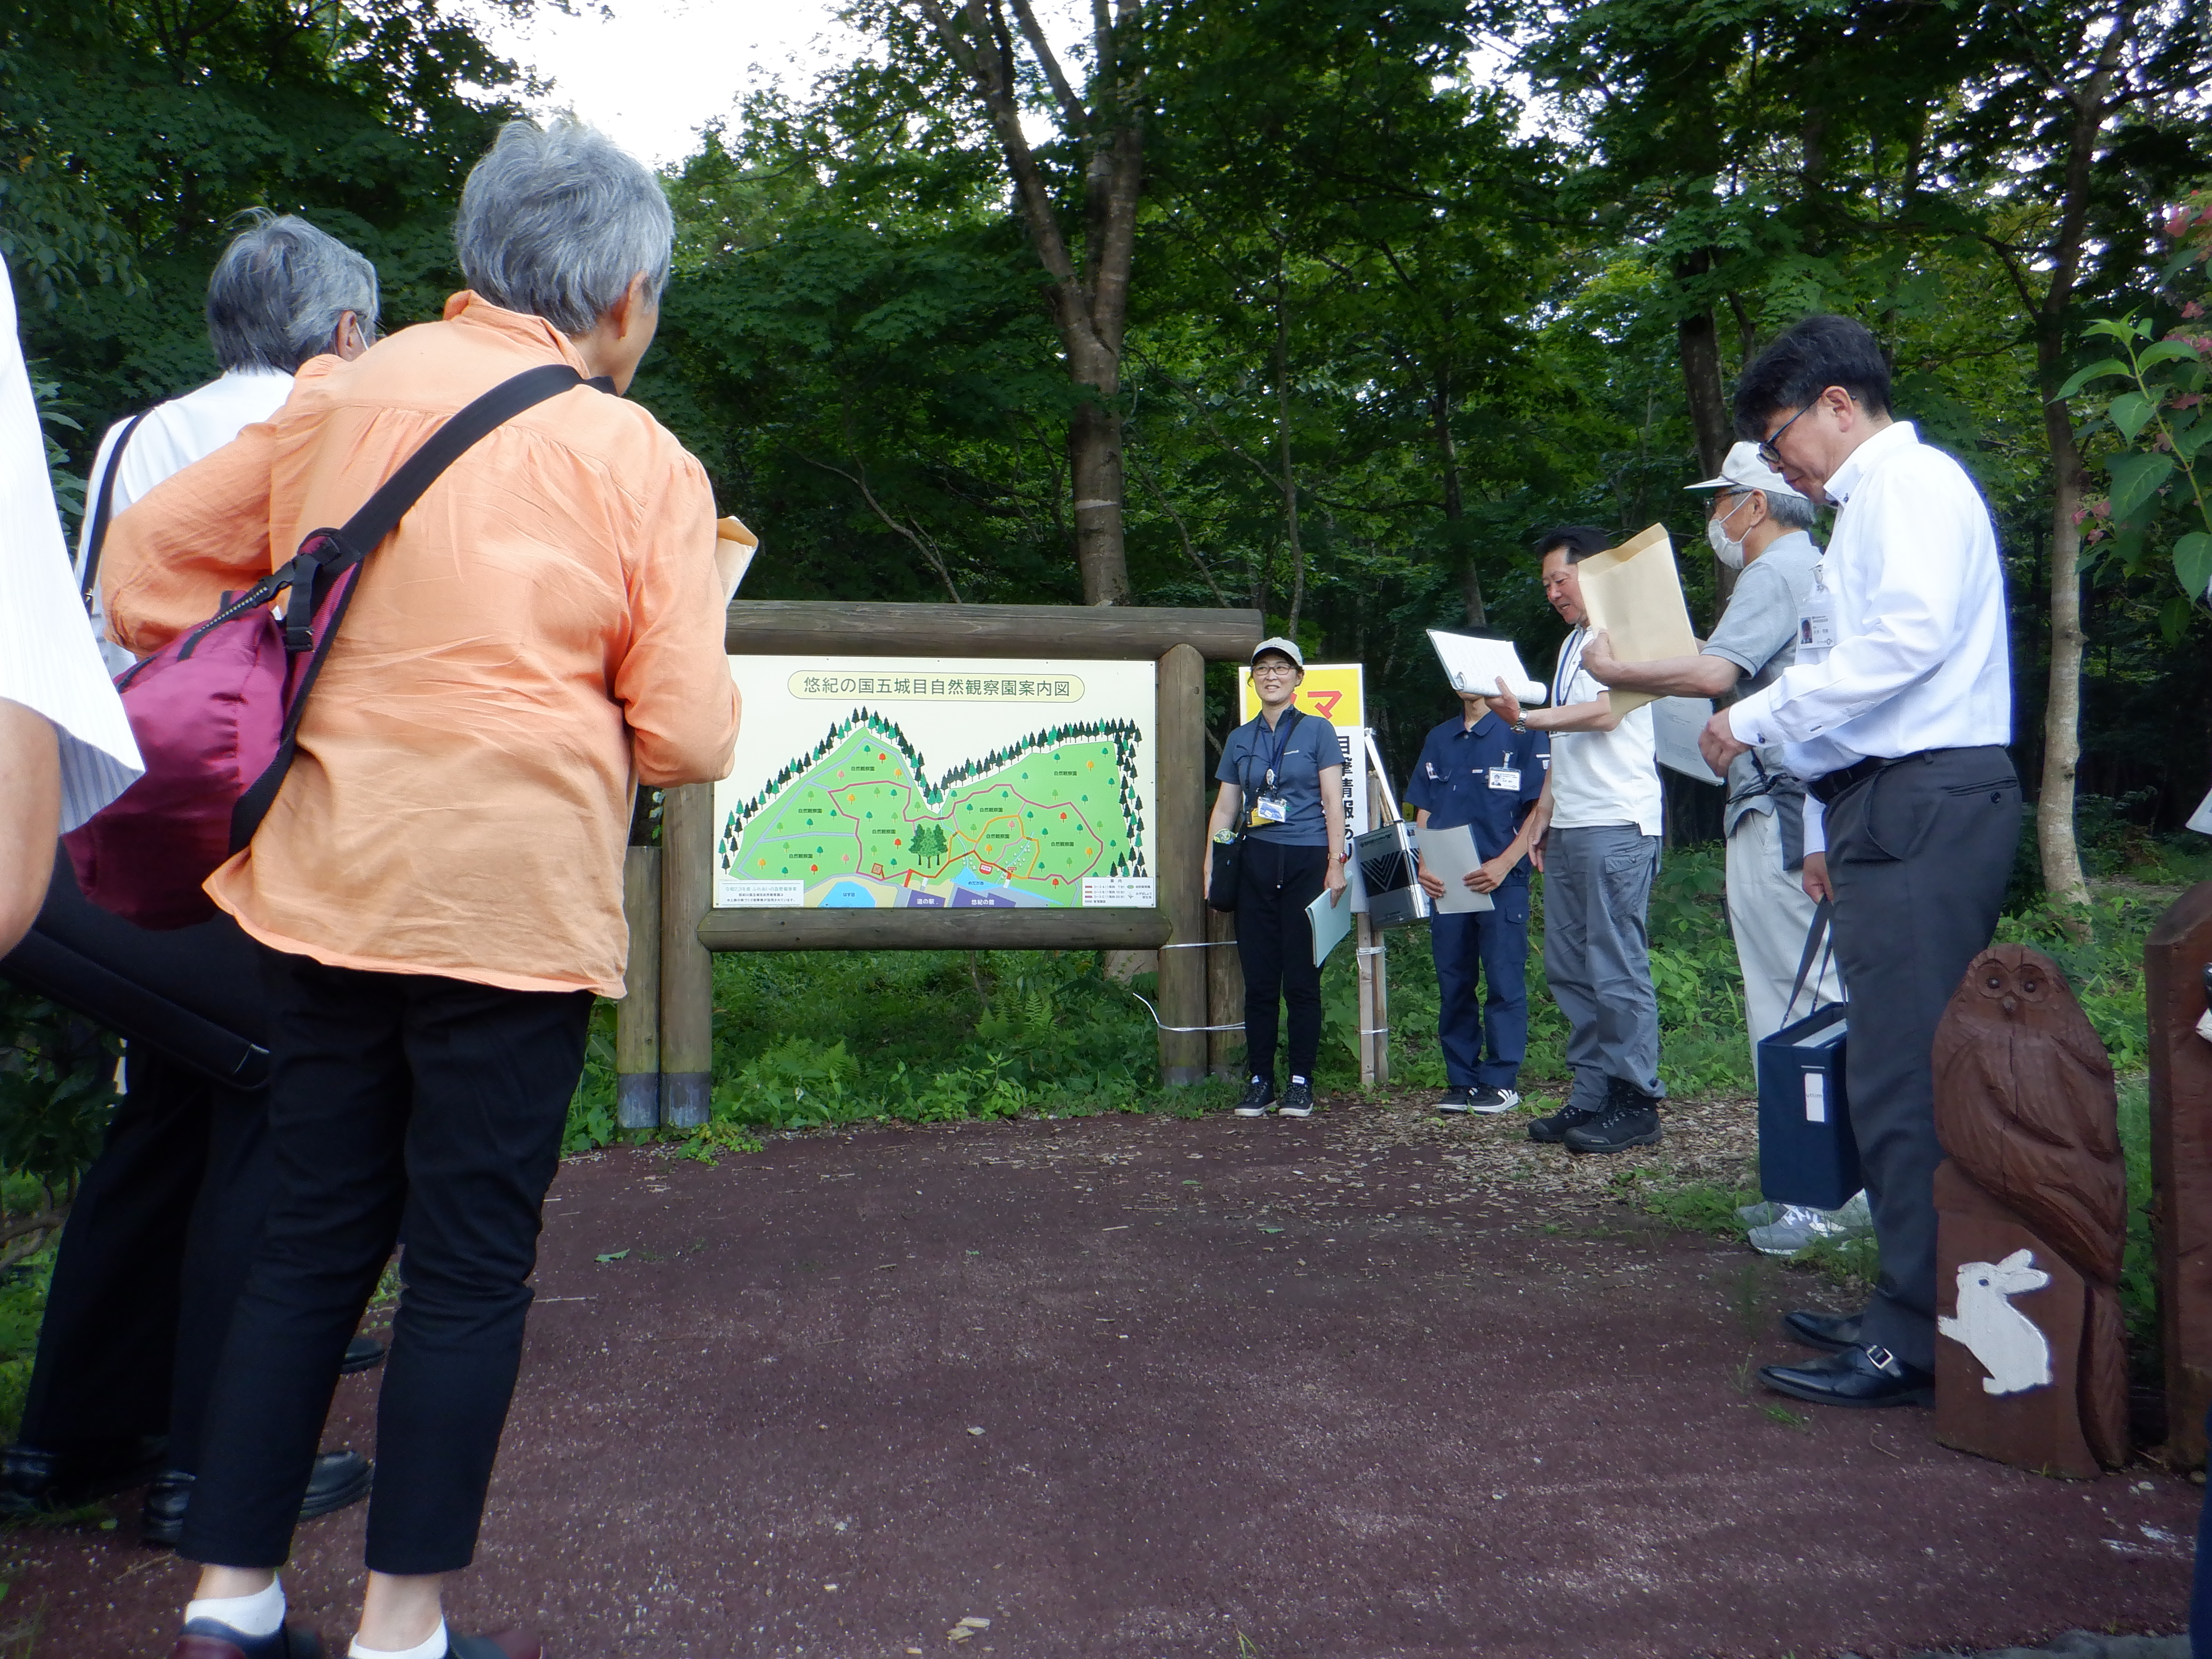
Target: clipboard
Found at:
1675, 724
1634, 593
1451, 857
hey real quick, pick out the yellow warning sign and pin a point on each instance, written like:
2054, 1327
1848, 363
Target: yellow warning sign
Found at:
1335, 690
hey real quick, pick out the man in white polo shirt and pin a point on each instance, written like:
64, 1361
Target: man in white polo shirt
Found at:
1599, 857
1896, 713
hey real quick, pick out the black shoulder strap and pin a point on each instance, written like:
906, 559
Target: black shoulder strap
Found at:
326, 555
103, 509
1815, 938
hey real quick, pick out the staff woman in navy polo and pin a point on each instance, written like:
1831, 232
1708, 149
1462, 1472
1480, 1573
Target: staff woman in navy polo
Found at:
1282, 776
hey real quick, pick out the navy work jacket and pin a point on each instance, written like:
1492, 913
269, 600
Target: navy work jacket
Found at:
1485, 775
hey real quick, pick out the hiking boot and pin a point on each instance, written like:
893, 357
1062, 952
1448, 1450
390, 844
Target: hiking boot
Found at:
1491, 1102
1297, 1099
1631, 1118
1259, 1098
1456, 1100
1553, 1129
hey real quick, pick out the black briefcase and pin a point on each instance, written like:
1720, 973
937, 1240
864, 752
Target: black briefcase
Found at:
1807, 1152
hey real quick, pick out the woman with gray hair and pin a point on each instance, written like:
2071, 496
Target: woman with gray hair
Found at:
439, 881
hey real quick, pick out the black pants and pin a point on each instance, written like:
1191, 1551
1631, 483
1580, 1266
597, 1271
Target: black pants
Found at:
151, 1263
1919, 855
1274, 942
165, 1221
398, 1102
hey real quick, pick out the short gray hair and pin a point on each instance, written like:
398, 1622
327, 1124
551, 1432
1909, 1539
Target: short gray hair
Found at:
555, 223
279, 290
1792, 512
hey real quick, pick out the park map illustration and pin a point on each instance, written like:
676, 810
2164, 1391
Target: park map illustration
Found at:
858, 821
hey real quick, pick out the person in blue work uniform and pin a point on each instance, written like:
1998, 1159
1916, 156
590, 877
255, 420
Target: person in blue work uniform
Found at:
1282, 779
1478, 770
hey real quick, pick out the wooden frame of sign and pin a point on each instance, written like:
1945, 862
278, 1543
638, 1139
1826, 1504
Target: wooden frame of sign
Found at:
666, 1026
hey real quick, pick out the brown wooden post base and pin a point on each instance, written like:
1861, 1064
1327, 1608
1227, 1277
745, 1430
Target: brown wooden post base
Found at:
1179, 788
637, 1017
2075, 1425
687, 971
1224, 997
2174, 956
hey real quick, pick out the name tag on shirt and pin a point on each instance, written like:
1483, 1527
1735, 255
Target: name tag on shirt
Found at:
1270, 809
1816, 621
1505, 777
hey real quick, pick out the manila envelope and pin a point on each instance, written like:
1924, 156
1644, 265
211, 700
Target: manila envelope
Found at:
1634, 593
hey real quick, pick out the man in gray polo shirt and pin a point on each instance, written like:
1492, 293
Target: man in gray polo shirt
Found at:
1757, 525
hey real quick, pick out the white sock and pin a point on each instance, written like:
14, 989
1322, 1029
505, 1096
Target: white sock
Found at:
434, 1648
259, 1614
1295, 1078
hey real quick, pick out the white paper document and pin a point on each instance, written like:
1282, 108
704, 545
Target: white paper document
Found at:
1450, 856
1331, 922
1675, 723
1477, 665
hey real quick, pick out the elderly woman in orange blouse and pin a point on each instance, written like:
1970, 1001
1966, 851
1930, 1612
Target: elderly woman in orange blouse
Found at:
438, 885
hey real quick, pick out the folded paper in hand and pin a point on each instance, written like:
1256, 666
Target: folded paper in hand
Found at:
1476, 665
1634, 593
1675, 724
734, 547
1331, 922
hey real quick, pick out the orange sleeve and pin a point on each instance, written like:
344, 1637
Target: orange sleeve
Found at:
171, 556
674, 680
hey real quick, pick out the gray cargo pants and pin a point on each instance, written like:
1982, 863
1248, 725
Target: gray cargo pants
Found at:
1597, 886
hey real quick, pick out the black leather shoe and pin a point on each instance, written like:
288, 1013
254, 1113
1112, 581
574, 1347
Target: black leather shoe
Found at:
206, 1638
508, 1644
363, 1353
340, 1478
1832, 1332
37, 1481
1553, 1129
1869, 1376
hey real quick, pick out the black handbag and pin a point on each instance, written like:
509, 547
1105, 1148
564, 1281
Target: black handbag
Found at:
1808, 1154
1226, 869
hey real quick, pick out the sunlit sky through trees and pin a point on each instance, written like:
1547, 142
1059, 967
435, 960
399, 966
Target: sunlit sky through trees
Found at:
651, 73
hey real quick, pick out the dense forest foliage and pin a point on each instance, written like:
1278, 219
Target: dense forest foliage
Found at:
1322, 307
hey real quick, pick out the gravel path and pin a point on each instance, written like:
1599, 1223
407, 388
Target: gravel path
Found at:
1368, 1387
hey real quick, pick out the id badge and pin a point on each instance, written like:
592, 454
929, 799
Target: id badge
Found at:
1270, 809
1816, 622
1506, 777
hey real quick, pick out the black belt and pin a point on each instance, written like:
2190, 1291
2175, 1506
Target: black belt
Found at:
1825, 790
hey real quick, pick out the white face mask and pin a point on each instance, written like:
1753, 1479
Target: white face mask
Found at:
1729, 553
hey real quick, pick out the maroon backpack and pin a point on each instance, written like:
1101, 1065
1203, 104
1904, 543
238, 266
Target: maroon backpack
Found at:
216, 711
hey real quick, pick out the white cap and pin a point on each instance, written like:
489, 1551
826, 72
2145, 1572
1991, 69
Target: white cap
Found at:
1743, 470
1288, 647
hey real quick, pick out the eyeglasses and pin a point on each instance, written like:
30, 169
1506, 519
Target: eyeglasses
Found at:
1273, 668
1767, 451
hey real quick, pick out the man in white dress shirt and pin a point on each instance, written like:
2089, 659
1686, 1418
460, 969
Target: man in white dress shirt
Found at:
184, 1177
1599, 853
65, 749
282, 292
1897, 713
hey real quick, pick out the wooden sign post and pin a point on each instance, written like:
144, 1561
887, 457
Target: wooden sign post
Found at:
690, 927
2174, 959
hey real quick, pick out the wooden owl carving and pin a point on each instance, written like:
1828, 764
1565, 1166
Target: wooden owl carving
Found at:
2025, 1103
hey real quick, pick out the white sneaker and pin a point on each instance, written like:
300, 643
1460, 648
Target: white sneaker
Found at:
1491, 1102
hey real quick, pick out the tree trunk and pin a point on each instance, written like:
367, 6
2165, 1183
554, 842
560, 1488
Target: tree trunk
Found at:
1700, 343
2054, 840
1470, 579
1089, 309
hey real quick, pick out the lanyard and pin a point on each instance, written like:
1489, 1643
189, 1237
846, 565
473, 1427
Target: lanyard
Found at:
1282, 736
1570, 664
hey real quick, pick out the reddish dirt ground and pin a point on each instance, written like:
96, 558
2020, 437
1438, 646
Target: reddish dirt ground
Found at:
1151, 1388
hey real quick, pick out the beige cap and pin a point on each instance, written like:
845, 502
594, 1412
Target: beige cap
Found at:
1743, 470
1288, 647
